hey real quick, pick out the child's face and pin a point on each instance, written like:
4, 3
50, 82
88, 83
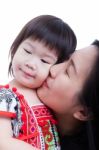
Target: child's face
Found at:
31, 63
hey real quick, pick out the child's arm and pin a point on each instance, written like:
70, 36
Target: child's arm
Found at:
7, 142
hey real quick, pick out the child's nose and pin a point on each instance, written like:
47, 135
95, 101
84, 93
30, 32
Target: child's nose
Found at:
31, 66
33, 63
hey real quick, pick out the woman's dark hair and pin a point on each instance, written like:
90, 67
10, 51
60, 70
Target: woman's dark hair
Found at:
90, 98
50, 30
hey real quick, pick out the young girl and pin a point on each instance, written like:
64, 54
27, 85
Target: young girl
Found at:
43, 41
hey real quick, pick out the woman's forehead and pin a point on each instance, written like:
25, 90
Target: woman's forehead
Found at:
88, 53
81, 62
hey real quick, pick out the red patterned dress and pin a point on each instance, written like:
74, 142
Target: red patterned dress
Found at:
34, 125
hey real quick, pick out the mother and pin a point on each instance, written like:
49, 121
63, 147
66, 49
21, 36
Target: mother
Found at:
71, 91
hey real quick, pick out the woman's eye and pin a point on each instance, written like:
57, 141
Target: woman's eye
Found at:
67, 72
27, 51
45, 61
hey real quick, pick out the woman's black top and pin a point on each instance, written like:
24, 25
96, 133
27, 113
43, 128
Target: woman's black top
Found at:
77, 141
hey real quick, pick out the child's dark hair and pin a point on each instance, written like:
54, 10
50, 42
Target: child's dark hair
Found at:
50, 30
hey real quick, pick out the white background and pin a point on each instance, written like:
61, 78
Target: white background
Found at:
81, 15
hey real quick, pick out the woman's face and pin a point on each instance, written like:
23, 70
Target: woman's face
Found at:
65, 81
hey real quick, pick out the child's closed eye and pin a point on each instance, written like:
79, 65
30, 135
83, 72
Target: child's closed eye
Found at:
45, 61
27, 51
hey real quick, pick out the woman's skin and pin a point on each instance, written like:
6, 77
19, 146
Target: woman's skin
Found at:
61, 89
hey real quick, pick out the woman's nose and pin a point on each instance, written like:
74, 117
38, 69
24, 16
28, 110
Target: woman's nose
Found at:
57, 69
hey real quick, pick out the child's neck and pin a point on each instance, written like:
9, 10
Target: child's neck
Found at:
14, 83
29, 93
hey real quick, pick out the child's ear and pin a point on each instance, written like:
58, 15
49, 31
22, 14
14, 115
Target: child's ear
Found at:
82, 114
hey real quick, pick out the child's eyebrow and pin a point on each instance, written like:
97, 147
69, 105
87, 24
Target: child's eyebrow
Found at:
51, 56
30, 45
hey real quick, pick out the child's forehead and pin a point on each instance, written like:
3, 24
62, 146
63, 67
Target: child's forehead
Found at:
33, 42
51, 45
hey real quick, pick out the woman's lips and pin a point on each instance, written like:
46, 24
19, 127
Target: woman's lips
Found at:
48, 82
45, 84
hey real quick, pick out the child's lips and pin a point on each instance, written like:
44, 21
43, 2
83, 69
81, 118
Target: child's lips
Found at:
28, 74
